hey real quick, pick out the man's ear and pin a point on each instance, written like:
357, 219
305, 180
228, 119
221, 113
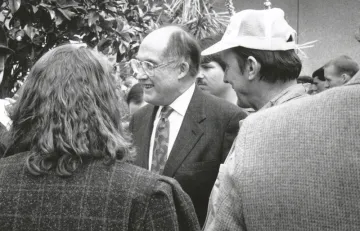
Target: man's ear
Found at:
253, 67
184, 68
345, 77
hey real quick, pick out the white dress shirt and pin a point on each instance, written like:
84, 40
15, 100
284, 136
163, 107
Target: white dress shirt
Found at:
176, 118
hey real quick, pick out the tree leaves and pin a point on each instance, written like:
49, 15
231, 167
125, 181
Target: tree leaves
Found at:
14, 5
66, 13
41, 25
30, 31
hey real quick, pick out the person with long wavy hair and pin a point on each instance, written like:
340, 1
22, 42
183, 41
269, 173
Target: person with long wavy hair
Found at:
67, 164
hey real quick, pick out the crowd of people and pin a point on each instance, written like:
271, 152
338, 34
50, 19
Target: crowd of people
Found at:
223, 134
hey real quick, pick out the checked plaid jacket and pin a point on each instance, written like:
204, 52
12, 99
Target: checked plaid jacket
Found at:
95, 197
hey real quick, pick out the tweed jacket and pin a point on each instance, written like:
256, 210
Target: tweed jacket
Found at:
202, 144
96, 197
296, 167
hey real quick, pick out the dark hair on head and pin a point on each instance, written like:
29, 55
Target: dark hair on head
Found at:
319, 73
276, 66
183, 45
216, 57
344, 64
135, 95
304, 79
69, 112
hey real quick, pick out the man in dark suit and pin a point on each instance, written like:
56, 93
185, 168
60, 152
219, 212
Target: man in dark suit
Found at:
191, 139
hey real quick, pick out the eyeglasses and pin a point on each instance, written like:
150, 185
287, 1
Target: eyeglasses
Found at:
146, 67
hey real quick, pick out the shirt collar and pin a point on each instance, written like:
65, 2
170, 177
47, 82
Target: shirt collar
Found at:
182, 102
292, 92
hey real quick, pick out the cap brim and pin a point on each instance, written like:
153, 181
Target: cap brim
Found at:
217, 47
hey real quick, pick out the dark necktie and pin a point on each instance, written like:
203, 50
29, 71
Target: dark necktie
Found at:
161, 141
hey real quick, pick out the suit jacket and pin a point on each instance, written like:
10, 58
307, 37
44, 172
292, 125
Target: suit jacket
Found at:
205, 137
296, 167
96, 197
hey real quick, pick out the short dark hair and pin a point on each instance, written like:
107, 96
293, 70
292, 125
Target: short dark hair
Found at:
319, 73
276, 66
135, 95
183, 45
216, 57
304, 79
344, 64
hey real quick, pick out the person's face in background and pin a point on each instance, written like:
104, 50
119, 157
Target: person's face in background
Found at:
317, 85
211, 79
333, 78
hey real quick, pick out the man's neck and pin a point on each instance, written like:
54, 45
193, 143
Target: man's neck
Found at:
268, 91
229, 95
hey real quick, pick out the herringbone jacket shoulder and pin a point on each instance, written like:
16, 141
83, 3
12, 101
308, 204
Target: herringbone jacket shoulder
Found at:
296, 167
95, 197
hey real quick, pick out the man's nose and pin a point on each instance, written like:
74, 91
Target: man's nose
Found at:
200, 75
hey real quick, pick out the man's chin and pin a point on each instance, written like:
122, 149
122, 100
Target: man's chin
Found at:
203, 87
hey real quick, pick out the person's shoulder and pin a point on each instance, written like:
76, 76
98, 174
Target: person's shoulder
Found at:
319, 107
145, 181
13, 160
219, 105
144, 110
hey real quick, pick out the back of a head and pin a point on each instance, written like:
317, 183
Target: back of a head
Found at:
68, 111
182, 44
344, 65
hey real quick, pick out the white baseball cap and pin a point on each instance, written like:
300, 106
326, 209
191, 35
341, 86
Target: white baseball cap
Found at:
257, 29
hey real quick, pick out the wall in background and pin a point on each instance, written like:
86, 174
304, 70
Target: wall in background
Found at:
332, 22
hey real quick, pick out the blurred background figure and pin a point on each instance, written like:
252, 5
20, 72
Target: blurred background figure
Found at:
306, 81
318, 84
210, 78
70, 152
135, 98
339, 71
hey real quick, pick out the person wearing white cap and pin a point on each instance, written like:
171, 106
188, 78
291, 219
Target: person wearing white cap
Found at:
261, 62
262, 65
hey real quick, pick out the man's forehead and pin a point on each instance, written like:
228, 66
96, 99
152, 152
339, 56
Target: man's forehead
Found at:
156, 42
329, 69
153, 44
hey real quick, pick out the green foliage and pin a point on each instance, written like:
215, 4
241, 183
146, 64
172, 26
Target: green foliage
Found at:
35, 26
197, 15
115, 27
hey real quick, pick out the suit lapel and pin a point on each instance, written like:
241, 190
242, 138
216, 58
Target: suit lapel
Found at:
145, 131
189, 133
